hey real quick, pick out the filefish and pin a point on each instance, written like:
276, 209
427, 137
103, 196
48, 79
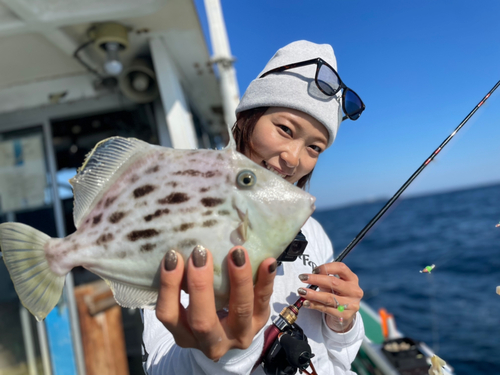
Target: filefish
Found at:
134, 201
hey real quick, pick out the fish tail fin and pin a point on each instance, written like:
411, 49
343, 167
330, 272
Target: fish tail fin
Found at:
38, 288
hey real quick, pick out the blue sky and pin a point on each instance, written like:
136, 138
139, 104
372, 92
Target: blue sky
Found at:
419, 66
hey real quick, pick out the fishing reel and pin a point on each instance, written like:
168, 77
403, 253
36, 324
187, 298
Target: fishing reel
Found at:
294, 250
289, 352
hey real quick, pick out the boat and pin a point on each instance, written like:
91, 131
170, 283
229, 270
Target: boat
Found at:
391, 353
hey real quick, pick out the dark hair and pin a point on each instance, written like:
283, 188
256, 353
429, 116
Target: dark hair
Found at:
242, 133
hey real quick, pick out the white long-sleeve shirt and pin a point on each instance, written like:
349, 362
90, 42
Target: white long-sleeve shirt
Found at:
334, 352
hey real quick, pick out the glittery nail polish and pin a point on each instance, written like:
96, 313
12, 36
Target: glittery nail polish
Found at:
199, 256
238, 256
273, 267
302, 291
170, 260
303, 277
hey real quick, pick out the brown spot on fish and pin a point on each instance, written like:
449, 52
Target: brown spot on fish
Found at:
220, 157
134, 178
87, 221
190, 243
148, 247
211, 174
209, 223
204, 189
154, 169
109, 201
143, 190
206, 213
188, 172
97, 219
174, 198
115, 217
138, 234
161, 156
224, 212
188, 210
105, 237
212, 202
157, 213
184, 227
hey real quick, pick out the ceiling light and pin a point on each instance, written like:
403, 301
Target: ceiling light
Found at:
112, 38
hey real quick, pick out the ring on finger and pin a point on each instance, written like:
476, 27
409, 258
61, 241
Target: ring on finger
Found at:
337, 304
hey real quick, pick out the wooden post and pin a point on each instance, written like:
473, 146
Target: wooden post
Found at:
102, 330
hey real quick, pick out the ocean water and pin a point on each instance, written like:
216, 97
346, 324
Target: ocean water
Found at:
455, 309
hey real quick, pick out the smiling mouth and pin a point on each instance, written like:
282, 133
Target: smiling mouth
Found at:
274, 170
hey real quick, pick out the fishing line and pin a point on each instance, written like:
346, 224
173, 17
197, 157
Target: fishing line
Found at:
289, 315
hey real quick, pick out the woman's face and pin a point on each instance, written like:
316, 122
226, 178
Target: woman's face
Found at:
288, 142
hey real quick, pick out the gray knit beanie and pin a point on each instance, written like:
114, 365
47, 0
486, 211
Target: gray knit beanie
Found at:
295, 88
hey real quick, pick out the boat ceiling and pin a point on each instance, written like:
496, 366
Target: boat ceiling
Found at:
39, 37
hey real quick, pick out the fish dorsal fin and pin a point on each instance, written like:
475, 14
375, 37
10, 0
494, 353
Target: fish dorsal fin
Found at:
232, 143
98, 171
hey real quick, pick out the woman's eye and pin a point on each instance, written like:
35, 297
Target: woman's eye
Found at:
316, 148
286, 129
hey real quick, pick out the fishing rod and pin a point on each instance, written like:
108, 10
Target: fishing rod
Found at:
289, 314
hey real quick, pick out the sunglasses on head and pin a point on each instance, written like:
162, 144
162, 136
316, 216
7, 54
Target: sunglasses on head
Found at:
329, 83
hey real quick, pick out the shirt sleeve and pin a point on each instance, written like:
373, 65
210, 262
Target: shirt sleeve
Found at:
166, 357
343, 347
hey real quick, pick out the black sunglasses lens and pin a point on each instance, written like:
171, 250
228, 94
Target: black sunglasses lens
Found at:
327, 80
352, 104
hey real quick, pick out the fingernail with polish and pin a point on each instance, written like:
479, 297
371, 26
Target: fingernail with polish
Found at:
238, 256
302, 291
303, 277
170, 260
306, 304
316, 270
273, 267
199, 256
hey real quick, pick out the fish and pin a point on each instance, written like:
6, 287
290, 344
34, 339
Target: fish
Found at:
134, 201
436, 365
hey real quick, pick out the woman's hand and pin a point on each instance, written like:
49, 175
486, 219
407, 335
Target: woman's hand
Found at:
343, 291
199, 326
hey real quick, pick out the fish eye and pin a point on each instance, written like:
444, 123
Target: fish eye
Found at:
246, 179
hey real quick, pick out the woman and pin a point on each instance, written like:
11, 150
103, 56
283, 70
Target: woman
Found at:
288, 116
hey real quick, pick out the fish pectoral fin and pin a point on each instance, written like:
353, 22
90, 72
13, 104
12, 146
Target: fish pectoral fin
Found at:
243, 230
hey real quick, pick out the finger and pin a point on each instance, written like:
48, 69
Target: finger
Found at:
329, 300
169, 309
326, 283
346, 315
239, 320
202, 316
264, 289
336, 268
